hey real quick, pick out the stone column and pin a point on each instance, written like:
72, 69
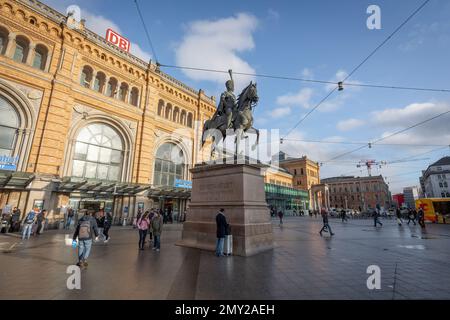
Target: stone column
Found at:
9, 52
30, 54
94, 75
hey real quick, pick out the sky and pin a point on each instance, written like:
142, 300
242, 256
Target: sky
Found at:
321, 40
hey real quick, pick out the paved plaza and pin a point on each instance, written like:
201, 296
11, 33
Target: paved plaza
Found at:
303, 265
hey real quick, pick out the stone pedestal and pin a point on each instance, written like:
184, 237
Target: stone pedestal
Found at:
239, 189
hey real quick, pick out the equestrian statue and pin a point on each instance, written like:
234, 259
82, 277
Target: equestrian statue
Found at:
232, 114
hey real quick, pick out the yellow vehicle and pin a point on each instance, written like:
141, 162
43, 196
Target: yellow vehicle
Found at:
436, 210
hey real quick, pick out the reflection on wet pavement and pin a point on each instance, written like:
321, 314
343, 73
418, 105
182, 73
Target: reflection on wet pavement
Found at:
303, 265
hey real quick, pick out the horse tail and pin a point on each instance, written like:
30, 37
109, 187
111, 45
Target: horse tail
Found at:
205, 132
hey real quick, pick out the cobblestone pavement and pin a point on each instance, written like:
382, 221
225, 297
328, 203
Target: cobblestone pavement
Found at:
303, 265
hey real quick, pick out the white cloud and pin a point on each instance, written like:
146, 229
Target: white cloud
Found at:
436, 131
422, 33
349, 124
280, 112
302, 98
215, 44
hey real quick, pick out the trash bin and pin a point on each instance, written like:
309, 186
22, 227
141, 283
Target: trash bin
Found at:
228, 245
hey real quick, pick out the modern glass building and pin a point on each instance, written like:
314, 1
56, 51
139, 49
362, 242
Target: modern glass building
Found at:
286, 199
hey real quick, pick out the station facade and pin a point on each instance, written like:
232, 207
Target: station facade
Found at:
87, 125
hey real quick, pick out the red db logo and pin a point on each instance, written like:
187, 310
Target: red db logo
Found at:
118, 40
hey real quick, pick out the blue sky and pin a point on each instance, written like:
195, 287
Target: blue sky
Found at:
309, 39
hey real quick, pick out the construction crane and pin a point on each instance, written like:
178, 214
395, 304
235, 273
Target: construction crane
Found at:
370, 163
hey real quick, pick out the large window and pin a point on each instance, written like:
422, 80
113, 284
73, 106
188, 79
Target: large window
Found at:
40, 57
98, 153
169, 165
9, 123
21, 51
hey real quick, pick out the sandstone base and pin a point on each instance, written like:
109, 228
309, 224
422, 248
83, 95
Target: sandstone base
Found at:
239, 189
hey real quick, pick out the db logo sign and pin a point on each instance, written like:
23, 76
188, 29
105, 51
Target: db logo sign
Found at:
118, 40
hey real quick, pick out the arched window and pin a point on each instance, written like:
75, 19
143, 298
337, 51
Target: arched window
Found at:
189, 120
134, 99
123, 92
21, 51
98, 153
3, 40
169, 165
9, 124
183, 117
161, 108
176, 113
40, 57
168, 111
86, 77
99, 82
111, 87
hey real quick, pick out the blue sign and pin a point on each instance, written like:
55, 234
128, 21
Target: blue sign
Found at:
183, 184
8, 163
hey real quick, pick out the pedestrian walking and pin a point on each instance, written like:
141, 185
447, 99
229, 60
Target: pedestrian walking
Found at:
28, 223
157, 223
412, 216
143, 225
421, 218
399, 217
101, 223
376, 218
107, 225
344, 215
70, 215
280, 215
221, 224
326, 226
85, 231
150, 230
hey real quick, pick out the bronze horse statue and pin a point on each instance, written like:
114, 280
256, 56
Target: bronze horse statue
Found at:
242, 121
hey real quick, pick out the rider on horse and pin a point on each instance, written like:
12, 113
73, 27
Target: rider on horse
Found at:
227, 104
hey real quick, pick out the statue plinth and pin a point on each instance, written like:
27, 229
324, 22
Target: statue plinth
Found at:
239, 189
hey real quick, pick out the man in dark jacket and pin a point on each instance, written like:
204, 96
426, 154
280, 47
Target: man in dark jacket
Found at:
107, 225
326, 226
86, 228
222, 224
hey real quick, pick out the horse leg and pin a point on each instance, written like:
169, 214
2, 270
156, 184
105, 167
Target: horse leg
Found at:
257, 138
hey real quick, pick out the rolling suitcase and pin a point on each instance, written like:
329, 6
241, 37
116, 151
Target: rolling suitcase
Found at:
228, 245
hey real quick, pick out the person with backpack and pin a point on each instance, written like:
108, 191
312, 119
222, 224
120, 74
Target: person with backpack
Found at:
143, 225
150, 231
86, 228
157, 223
28, 223
107, 225
326, 226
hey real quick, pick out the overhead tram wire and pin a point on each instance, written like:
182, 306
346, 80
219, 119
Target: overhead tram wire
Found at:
278, 77
387, 39
366, 143
360, 65
390, 136
147, 33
